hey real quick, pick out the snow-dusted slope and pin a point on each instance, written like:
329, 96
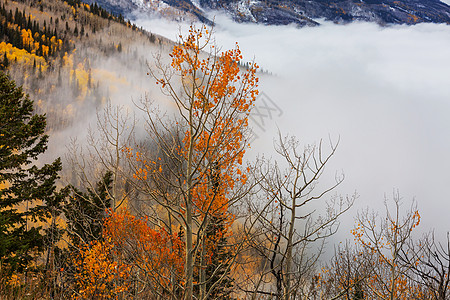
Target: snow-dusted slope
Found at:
301, 12
179, 10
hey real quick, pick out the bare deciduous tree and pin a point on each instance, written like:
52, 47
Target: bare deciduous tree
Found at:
385, 239
345, 276
430, 261
290, 234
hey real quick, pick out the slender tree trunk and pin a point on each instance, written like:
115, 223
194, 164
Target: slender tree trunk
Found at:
202, 271
189, 265
287, 274
392, 294
394, 258
116, 167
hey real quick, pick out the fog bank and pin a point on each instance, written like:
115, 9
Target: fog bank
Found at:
384, 91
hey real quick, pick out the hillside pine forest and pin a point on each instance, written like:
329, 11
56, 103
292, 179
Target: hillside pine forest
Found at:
162, 205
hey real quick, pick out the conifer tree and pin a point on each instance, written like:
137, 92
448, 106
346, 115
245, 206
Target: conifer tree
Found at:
5, 63
358, 294
27, 193
218, 260
85, 211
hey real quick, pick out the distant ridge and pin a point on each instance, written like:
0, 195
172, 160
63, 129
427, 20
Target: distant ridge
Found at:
301, 12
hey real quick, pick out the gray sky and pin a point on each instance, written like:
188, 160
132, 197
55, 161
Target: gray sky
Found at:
384, 91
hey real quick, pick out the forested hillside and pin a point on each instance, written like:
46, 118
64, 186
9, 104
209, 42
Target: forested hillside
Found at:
69, 56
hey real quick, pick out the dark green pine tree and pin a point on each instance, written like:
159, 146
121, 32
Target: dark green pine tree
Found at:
358, 293
217, 266
85, 211
5, 63
27, 193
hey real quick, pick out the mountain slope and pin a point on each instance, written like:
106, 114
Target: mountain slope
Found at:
301, 12
340, 11
70, 57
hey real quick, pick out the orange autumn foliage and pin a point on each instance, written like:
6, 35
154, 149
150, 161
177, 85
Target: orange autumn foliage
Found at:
158, 254
216, 108
203, 166
219, 102
376, 267
130, 253
99, 275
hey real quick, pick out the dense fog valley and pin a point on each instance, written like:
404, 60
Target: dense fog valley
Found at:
383, 91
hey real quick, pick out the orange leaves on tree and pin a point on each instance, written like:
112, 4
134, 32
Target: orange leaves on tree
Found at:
220, 107
151, 251
383, 244
155, 249
130, 248
216, 104
99, 274
195, 180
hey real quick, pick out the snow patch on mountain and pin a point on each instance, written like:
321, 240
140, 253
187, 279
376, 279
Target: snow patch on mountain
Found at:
152, 5
196, 3
243, 7
283, 12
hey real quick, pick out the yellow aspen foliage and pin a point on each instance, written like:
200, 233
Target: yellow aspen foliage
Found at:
27, 37
82, 76
45, 50
29, 40
68, 60
56, 44
12, 26
22, 56
112, 78
3, 185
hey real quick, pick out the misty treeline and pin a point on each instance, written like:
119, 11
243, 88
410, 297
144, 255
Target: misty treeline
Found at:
70, 56
160, 205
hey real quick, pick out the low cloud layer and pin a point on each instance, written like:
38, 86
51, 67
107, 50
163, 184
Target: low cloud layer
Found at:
384, 91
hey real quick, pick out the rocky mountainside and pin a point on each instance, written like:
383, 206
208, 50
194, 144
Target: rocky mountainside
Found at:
281, 12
